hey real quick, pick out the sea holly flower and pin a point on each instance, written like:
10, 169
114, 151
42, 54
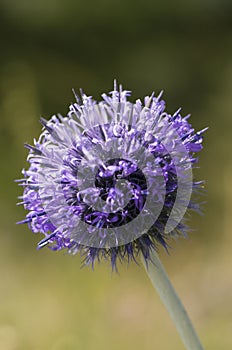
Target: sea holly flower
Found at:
112, 178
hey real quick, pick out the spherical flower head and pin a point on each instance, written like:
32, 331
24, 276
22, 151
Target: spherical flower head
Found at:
112, 179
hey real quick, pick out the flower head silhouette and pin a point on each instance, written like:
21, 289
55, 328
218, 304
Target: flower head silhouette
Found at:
112, 179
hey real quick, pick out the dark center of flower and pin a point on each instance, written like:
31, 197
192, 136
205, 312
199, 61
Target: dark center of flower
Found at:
108, 179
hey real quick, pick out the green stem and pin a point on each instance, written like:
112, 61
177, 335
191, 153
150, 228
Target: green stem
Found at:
170, 299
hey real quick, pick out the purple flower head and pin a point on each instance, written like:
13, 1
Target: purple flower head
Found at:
112, 179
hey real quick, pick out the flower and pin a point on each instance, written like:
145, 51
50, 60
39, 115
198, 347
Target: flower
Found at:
112, 179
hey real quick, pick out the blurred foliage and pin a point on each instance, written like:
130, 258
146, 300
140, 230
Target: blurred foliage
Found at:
50, 47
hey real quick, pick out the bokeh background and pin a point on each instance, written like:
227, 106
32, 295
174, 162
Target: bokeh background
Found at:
48, 47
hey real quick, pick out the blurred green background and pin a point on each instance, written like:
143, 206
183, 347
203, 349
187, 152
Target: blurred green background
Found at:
49, 47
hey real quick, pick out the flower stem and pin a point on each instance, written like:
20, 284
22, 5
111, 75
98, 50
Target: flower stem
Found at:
170, 299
